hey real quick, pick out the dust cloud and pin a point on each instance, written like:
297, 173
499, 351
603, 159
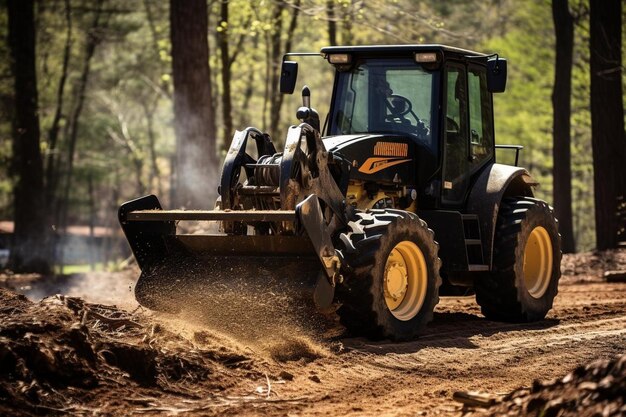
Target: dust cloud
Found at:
264, 304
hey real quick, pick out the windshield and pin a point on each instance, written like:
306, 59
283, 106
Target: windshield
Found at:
384, 96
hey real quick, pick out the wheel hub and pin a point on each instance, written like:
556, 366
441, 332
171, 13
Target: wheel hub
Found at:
405, 281
538, 260
395, 281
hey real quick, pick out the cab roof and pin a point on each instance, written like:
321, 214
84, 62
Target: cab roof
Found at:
380, 50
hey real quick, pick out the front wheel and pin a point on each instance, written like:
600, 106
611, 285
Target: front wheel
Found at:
393, 284
526, 263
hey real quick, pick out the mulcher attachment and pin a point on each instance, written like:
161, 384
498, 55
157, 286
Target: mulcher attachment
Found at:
277, 227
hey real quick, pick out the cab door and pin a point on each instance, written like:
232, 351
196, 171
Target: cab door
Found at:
456, 136
480, 119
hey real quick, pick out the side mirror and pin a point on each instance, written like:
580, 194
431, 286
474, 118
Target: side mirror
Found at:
496, 75
288, 76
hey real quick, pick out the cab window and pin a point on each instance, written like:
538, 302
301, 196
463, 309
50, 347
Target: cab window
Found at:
455, 145
480, 117
385, 96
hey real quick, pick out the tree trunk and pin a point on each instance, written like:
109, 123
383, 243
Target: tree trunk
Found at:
277, 50
110, 245
332, 22
227, 112
268, 80
94, 37
562, 109
150, 105
194, 123
607, 118
272, 57
163, 85
249, 90
29, 249
348, 18
52, 174
155, 172
92, 222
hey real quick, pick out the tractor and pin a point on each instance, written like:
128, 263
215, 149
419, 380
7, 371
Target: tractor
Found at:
395, 200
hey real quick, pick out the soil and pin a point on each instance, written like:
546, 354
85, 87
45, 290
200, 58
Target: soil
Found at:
79, 354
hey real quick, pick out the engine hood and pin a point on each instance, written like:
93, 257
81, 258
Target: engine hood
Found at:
332, 142
382, 158
385, 158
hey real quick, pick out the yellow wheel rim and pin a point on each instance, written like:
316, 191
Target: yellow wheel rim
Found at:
406, 280
538, 262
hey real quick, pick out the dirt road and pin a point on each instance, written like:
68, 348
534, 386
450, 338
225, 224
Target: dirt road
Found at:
293, 371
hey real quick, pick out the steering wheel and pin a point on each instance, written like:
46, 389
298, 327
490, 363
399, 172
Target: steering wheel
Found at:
398, 106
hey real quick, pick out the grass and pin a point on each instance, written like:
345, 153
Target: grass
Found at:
85, 268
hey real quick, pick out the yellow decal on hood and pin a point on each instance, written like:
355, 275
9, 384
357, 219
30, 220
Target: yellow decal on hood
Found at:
391, 149
374, 164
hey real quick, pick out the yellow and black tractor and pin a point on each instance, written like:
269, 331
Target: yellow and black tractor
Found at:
397, 200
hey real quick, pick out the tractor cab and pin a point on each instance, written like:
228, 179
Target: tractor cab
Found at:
417, 115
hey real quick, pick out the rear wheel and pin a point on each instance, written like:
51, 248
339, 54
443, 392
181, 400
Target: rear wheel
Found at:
392, 287
526, 263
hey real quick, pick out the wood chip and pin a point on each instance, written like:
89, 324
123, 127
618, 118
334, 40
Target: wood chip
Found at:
286, 376
315, 378
475, 399
615, 276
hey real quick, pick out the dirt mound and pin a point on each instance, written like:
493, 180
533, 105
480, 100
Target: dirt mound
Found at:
63, 353
295, 348
589, 266
596, 389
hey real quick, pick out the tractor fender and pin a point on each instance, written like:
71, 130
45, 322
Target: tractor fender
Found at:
492, 185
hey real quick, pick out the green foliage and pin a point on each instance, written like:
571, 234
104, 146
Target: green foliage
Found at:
126, 142
524, 112
86, 268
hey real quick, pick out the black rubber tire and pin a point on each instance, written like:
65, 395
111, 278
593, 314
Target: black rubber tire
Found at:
503, 294
366, 248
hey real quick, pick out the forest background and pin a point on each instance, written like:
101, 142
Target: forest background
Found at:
106, 94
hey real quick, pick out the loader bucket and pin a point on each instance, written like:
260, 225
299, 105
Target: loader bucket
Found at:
181, 271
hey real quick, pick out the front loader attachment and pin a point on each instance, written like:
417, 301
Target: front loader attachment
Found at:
176, 268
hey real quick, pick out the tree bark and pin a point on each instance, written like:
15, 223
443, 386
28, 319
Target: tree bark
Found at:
30, 251
607, 118
562, 110
194, 117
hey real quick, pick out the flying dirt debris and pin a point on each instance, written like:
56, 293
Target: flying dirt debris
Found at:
396, 201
